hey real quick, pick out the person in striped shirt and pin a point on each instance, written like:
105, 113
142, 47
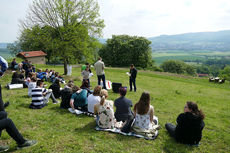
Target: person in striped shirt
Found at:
40, 96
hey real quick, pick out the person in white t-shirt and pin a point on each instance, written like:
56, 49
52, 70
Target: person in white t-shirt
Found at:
94, 98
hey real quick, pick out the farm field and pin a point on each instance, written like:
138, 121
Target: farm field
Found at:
161, 56
57, 130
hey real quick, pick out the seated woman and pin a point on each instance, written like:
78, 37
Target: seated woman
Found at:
94, 98
105, 113
79, 99
56, 88
143, 112
66, 94
189, 125
123, 105
16, 80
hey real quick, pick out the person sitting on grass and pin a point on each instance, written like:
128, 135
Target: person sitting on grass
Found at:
189, 125
40, 96
105, 114
11, 129
79, 99
66, 94
8, 124
94, 98
143, 112
56, 88
14, 64
123, 105
85, 86
16, 80
32, 84
41, 75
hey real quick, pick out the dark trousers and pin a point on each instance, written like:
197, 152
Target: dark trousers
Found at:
171, 129
99, 78
8, 124
132, 81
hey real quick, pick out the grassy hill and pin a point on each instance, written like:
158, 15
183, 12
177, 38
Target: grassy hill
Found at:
57, 130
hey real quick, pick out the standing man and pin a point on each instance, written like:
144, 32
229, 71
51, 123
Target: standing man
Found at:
99, 67
132, 77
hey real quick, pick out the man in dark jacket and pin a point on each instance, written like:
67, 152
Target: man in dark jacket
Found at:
132, 77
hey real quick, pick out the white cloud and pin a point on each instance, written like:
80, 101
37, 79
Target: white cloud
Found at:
154, 17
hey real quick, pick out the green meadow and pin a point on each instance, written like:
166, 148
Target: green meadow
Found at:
161, 56
57, 130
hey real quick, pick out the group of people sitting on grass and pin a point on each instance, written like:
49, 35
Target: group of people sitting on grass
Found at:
141, 120
25, 78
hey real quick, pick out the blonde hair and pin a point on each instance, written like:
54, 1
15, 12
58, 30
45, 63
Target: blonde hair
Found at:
104, 95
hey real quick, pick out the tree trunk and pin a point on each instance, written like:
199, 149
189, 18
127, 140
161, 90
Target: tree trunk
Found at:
65, 67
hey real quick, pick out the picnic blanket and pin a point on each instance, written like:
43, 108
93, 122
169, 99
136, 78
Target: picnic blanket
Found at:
116, 130
78, 112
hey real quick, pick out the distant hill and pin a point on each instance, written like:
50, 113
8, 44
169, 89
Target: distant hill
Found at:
3, 45
212, 41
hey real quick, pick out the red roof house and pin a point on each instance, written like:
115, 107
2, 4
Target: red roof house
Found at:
36, 57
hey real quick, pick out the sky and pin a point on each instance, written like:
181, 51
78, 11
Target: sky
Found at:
146, 18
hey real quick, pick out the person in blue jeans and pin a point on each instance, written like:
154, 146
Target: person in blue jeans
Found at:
132, 77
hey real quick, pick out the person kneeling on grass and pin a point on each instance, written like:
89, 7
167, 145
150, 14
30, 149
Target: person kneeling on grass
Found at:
189, 125
40, 96
79, 99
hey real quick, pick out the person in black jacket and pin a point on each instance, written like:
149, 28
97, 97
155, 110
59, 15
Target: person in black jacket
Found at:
56, 88
66, 94
132, 77
189, 125
16, 80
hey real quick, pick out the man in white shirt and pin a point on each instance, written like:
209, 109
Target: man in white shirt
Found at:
99, 67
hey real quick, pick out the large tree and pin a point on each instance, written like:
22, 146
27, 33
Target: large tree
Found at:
123, 50
72, 23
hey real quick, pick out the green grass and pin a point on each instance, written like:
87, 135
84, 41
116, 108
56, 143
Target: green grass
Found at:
161, 56
57, 130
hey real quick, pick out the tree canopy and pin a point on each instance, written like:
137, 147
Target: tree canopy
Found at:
65, 29
123, 50
179, 67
